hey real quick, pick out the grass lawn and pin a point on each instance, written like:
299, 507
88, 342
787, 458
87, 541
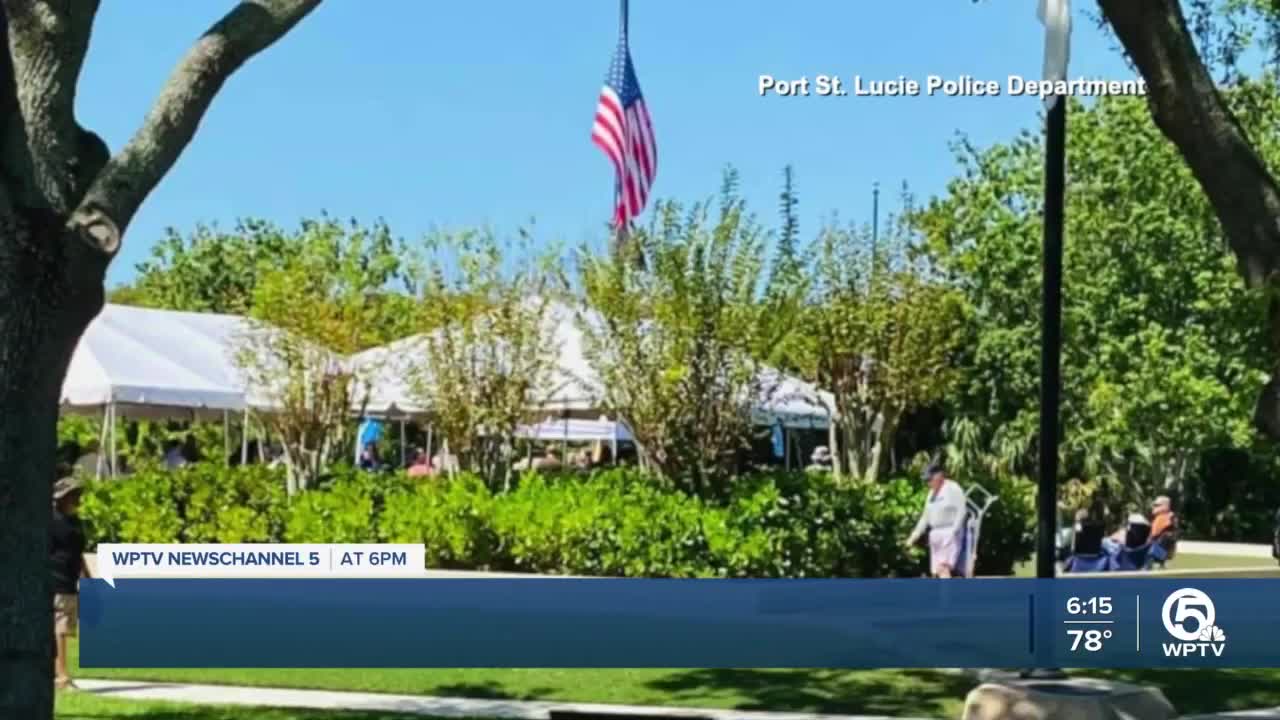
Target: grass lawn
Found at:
83, 706
906, 693
1189, 562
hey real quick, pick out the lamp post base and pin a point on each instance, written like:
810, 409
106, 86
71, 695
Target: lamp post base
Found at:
1042, 674
1079, 699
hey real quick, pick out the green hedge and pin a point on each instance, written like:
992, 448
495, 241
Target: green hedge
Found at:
613, 523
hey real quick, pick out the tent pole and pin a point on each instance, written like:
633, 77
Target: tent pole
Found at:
786, 449
226, 437
429, 438
402, 448
113, 442
244, 438
100, 465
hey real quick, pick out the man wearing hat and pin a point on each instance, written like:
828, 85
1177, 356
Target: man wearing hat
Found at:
66, 561
943, 520
820, 460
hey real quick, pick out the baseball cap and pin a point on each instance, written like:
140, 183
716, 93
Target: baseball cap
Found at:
66, 486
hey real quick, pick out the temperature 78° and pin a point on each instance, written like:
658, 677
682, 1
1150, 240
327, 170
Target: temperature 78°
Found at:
1090, 639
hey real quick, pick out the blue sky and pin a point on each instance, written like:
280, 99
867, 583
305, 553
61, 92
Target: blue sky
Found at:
442, 115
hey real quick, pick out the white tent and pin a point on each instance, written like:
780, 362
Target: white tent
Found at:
157, 363
574, 385
146, 363
576, 430
387, 372
792, 402
386, 375
149, 363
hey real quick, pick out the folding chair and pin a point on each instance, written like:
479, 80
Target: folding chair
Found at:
1087, 551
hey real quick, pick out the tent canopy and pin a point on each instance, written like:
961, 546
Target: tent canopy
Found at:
156, 362
165, 363
574, 386
576, 430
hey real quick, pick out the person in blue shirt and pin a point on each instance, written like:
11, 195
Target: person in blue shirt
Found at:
369, 460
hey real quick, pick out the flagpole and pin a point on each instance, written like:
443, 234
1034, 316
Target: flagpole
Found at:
620, 232
875, 220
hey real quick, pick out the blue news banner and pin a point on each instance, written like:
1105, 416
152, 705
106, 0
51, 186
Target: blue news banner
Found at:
547, 622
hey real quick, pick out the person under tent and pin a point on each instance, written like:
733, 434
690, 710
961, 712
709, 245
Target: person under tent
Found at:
821, 460
174, 457
421, 465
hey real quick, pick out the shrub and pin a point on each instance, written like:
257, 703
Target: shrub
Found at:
138, 509
199, 503
452, 519
613, 523
341, 514
608, 524
238, 505
1009, 528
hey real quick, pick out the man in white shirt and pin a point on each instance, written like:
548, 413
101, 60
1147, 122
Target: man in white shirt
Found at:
943, 520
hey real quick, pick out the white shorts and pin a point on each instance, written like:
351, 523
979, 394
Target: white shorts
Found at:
944, 550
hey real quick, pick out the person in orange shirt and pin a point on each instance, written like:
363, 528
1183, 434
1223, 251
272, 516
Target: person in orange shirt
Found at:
1161, 516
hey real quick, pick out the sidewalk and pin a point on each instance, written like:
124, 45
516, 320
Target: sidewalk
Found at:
410, 704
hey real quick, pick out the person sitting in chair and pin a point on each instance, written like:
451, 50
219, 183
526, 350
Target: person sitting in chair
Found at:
1086, 554
1164, 525
1138, 551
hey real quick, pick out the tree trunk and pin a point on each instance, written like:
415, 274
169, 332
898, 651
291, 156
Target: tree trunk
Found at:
1189, 110
880, 447
833, 437
41, 321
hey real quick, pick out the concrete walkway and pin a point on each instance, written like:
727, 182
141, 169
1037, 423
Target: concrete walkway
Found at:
1265, 714
1193, 547
409, 704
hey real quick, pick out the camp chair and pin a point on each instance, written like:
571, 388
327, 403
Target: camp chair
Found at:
1139, 558
1087, 553
977, 501
1140, 551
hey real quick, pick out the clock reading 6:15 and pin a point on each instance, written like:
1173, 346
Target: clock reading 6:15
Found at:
1089, 606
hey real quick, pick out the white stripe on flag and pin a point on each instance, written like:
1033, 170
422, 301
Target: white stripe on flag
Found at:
1055, 15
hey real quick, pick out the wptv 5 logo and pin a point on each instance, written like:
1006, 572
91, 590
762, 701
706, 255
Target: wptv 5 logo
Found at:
1189, 616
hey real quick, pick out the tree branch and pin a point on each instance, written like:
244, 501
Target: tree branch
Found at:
48, 40
10, 123
1189, 110
129, 176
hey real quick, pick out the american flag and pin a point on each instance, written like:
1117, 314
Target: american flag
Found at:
623, 131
